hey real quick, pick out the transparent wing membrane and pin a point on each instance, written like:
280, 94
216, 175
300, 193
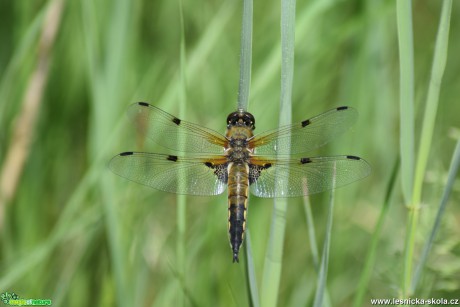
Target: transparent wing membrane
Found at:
306, 135
305, 176
173, 133
192, 176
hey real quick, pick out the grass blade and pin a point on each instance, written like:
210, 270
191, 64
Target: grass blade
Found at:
372, 253
322, 276
439, 64
437, 72
243, 102
182, 199
106, 103
313, 243
19, 149
311, 232
245, 56
251, 273
406, 97
453, 170
274, 253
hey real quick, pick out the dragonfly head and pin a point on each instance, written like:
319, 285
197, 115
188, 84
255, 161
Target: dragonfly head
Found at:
241, 118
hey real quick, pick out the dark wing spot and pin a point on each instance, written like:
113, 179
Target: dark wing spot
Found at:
353, 158
255, 171
221, 172
172, 158
128, 153
144, 104
342, 108
305, 160
209, 164
305, 123
176, 121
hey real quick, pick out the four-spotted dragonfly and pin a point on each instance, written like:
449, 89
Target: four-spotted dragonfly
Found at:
241, 161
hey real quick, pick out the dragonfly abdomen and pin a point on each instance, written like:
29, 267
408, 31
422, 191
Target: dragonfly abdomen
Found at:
238, 187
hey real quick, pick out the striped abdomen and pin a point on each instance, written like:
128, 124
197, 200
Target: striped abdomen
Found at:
238, 188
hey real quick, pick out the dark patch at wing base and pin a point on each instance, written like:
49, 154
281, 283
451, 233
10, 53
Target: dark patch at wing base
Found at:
256, 170
220, 170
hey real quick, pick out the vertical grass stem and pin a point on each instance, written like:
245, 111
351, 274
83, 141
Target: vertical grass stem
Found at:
245, 56
274, 253
439, 63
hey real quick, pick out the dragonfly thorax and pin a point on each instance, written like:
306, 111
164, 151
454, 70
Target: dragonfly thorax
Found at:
239, 155
238, 150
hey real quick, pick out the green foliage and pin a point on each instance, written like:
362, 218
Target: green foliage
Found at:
77, 234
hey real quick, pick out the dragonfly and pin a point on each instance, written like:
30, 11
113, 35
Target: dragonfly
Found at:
208, 162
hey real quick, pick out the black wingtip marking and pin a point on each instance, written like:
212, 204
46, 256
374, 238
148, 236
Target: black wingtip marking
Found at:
305, 160
305, 123
342, 108
172, 158
235, 258
176, 121
267, 165
144, 104
353, 158
128, 153
209, 164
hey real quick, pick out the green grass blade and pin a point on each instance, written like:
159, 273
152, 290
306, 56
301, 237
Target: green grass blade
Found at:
372, 252
10, 72
182, 199
313, 243
311, 232
322, 275
453, 170
243, 102
106, 92
274, 253
437, 72
439, 63
245, 56
251, 273
406, 103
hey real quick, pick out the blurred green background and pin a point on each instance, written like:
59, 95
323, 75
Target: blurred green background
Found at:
73, 232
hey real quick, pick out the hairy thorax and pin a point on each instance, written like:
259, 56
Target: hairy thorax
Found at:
238, 151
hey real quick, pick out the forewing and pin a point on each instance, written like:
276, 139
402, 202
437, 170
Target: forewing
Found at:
174, 133
306, 135
193, 176
304, 176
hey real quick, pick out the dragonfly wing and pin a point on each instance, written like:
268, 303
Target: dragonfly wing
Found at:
174, 133
193, 176
306, 135
297, 177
